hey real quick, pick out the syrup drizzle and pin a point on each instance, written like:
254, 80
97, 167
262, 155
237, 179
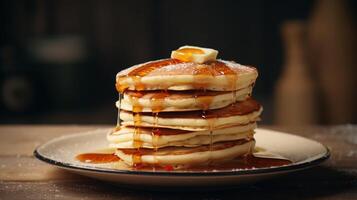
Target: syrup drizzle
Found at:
136, 76
137, 108
118, 117
203, 98
201, 83
202, 79
239, 108
157, 101
142, 71
204, 73
184, 150
155, 138
137, 142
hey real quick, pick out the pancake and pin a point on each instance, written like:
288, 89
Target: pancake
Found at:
190, 109
184, 156
168, 101
236, 114
173, 74
158, 138
191, 142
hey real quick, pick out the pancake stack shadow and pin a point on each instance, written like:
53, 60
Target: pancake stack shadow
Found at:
175, 114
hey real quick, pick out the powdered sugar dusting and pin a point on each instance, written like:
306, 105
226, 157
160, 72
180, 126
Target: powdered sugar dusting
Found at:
128, 70
237, 67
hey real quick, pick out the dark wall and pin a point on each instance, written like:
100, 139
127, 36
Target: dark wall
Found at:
112, 35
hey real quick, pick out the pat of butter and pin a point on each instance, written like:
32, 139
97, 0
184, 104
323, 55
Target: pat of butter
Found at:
194, 54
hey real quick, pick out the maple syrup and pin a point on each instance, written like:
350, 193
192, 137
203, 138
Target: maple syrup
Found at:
157, 101
174, 150
172, 94
137, 132
97, 158
240, 163
137, 108
141, 71
203, 76
118, 117
239, 108
136, 159
155, 138
203, 98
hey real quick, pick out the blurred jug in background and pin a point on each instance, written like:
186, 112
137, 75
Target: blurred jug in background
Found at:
332, 43
295, 92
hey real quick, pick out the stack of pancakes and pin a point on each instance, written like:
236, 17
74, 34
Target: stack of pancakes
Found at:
180, 113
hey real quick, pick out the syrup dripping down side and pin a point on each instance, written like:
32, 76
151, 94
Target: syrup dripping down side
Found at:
137, 142
118, 116
157, 101
202, 81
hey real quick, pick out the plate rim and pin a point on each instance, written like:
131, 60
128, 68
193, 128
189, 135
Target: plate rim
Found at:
265, 170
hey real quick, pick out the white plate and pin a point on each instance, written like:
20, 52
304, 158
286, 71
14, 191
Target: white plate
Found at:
61, 152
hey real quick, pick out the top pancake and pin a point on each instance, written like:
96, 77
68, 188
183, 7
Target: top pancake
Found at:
173, 74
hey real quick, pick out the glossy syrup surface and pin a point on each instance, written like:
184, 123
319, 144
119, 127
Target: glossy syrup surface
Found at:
239, 108
203, 73
241, 163
143, 70
97, 158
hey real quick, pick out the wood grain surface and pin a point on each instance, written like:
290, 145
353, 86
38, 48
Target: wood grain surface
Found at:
24, 177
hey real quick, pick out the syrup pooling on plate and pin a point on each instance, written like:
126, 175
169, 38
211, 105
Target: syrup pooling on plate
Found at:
97, 158
241, 163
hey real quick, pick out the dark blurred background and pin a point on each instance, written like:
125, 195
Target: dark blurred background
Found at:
59, 58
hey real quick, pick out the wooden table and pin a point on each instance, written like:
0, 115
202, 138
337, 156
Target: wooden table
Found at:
24, 177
